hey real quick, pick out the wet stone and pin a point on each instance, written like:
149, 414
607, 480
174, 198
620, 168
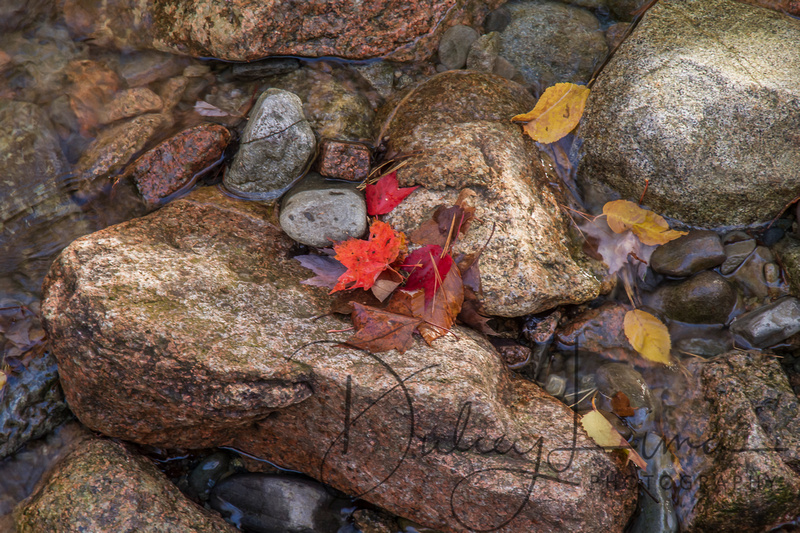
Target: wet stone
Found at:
369, 521
172, 90
504, 69
267, 67
623, 9
344, 160
735, 254
497, 20
705, 298
622, 377
615, 33
130, 103
264, 503
769, 324
750, 276
275, 148
208, 473
143, 68
455, 45
699, 250
317, 212
788, 252
483, 53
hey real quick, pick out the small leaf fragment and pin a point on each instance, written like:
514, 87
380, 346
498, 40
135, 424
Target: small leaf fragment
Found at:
557, 112
385, 195
621, 404
604, 435
648, 336
650, 227
327, 270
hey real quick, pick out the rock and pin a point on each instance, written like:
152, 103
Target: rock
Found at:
174, 164
146, 67
456, 127
264, 503
19, 14
276, 146
272, 66
623, 9
616, 33
101, 486
597, 331
669, 111
788, 252
172, 90
504, 69
769, 324
318, 213
550, 42
622, 377
207, 474
455, 45
380, 76
750, 276
344, 160
247, 31
696, 251
31, 405
739, 425
656, 515
735, 254
483, 53
705, 298
200, 330
130, 103
497, 20
792, 7
369, 521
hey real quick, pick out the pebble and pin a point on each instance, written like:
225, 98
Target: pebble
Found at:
276, 146
750, 274
208, 473
455, 44
556, 385
735, 253
705, 298
497, 20
696, 251
344, 160
143, 68
621, 377
130, 103
769, 324
483, 53
788, 252
317, 212
504, 69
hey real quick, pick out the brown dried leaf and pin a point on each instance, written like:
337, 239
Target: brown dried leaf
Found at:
440, 313
446, 222
621, 405
556, 113
378, 330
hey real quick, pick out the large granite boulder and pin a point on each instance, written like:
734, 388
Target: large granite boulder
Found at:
244, 30
703, 106
457, 132
191, 328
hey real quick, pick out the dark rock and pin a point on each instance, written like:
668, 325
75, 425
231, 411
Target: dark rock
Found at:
597, 331
272, 66
344, 160
19, 14
190, 328
456, 128
696, 251
173, 164
455, 44
550, 42
623, 9
264, 503
616, 33
750, 276
705, 169
770, 324
497, 20
735, 254
369, 521
656, 515
143, 68
705, 298
275, 148
207, 473
622, 377
101, 486
483, 53
788, 252
318, 212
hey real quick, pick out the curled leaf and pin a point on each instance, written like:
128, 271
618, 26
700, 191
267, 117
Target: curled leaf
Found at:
556, 113
648, 336
604, 435
650, 227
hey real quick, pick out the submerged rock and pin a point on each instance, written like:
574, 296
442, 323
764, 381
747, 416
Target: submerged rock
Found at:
456, 129
769, 324
688, 254
455, 44
705, 298
101, 486
202, 334
704, 119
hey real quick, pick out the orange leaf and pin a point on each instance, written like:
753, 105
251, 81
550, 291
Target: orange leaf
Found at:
379, 330
556, 113
365, 260
651, 228
648, 336
621, 405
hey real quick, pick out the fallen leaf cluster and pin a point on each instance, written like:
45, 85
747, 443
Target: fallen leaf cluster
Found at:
423, 292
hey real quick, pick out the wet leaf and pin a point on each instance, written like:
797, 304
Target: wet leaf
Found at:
428, 267
650, 227
556, 113
604, 435
379, 330
446, 222
384, 195
616, 249
327, 270
365, 260
621, 405
648, 336
441, 311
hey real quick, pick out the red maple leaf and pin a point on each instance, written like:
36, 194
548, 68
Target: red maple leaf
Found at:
428, 267
384, 195
365, 260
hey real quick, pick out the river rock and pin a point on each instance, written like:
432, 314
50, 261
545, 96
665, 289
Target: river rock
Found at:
751, 276
669, 110
318, 212
597, 331
769, 324
200, 331
208, 473
735, 254
705, 298
130, 103
175, 163
690, 253
457, 131
272, 66
483, 53
455, 45
101, 486
788, 252
551, 42
276, 146
344, 160
791, 7
263, 503
740, 463
141, 68
398, 30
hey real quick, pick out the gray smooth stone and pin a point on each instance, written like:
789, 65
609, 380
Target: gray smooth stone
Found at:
770, 324
317, 212
688, 254
705, 298
276, 146
455, 44
735, 253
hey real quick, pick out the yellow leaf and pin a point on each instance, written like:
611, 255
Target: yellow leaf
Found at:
651, 228
648, 336
556, 113
604, 435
